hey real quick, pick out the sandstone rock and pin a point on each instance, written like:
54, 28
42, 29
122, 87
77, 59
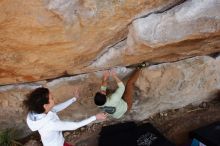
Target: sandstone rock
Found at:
188, 29
158, 88
178, 84
191, 28
47, 39
58, 38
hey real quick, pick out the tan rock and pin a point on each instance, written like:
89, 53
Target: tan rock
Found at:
158, 88
189, 29
189, 81
47, 39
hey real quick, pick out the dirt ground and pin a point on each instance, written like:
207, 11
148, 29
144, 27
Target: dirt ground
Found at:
174, 124
178, 123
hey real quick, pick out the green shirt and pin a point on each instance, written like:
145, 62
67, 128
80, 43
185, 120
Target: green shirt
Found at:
115, 100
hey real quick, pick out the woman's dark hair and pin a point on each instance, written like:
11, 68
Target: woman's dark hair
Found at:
36, 99
99, 99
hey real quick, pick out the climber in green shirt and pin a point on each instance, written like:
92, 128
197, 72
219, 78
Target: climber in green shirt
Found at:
118, 103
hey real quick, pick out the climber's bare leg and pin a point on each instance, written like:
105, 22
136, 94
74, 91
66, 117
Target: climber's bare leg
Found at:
129, 88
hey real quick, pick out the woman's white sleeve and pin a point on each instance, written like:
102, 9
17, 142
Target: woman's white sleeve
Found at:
64, 126
63, 105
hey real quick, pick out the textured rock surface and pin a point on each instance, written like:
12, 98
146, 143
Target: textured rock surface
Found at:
159, 87
175, 85
46, 39
189, 29
190, 19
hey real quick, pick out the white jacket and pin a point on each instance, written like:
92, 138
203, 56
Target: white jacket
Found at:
50, 126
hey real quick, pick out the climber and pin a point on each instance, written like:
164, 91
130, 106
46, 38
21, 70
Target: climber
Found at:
118, 103
42, 117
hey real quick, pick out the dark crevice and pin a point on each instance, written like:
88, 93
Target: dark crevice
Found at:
214, 55
105, 51
160, 11
64, 74
150, 63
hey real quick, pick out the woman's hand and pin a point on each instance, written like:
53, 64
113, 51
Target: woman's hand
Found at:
101, 116
76, 92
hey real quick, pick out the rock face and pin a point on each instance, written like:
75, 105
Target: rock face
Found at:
189, 29
158, 88
177, 24
175, 85
47, 39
